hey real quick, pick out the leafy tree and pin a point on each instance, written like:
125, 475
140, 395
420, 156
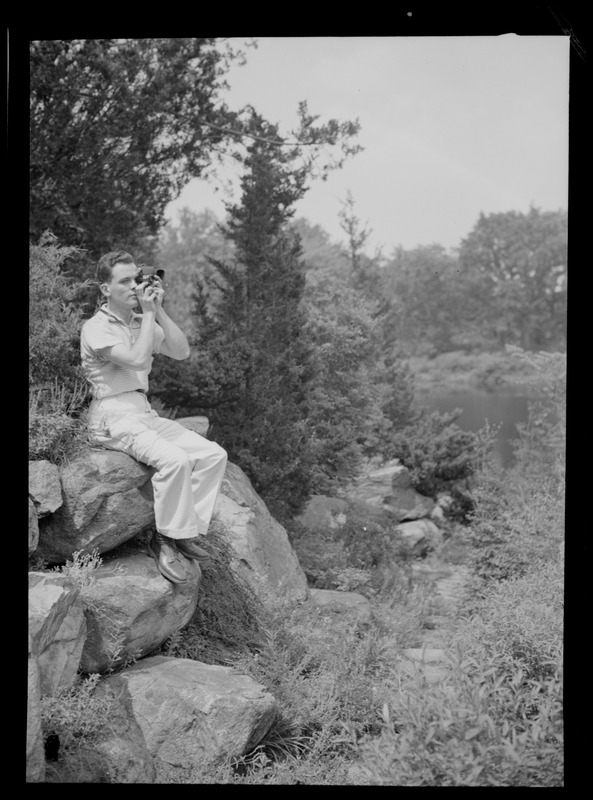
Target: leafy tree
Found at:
522, 260
118, 126
436, 306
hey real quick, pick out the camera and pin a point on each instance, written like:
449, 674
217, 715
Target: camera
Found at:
149, 275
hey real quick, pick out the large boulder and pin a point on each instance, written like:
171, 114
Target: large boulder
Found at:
45, 488
108, 500
262, 551
194, 713
57, 629
134, 609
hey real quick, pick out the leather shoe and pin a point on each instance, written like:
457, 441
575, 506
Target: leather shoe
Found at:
167, 559
190, 549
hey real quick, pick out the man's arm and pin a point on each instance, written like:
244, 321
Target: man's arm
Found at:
175, 344
138, 356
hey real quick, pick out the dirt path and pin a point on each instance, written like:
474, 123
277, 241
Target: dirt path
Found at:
446, 585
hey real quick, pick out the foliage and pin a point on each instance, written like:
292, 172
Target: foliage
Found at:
432, 299
520, 261
77, 717
540, 446
118, 126
228, 617
250, 350
57, 389
184, 247
362, 555
439, 455
494, 717
54, 319
81, 569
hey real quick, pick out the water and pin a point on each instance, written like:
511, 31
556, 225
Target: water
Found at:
503, 409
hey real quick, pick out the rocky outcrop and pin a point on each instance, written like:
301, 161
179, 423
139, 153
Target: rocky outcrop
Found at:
174, 710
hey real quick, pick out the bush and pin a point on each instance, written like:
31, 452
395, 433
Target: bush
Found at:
54, 319
57, 388
228, 616
438, 454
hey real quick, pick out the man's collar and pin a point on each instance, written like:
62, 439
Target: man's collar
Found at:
115, 318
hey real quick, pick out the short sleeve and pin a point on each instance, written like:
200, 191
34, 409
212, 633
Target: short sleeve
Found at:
97, 338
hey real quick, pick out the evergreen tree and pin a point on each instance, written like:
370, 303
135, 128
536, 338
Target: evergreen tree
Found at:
252, 354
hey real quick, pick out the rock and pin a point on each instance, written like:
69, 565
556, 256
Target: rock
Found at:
190, 712
134, 609
408, 504
340, 602
57, 628
389, 487
321, 511
107, 501
262, 550
33, 527
35, 748
376, 487
45, 488
122, 749
198, 424
420, 535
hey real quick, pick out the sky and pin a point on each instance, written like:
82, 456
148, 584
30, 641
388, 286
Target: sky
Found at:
451, 126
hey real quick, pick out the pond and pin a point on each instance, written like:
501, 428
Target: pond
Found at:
502, 408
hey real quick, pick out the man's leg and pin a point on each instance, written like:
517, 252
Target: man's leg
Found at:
208, 463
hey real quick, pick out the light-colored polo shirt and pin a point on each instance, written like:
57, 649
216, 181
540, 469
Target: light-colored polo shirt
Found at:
98, 334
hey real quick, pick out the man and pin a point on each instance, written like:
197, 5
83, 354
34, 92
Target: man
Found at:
117, 347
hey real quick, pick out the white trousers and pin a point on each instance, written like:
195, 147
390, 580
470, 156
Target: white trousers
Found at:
188, 467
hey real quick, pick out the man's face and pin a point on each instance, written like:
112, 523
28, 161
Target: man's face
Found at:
121, 289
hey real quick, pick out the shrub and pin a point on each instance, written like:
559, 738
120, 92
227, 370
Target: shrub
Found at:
228, 617
55, 430
437, 452
54, 318
57, 388
74, 718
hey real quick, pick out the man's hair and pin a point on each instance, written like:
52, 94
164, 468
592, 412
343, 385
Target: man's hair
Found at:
105, 264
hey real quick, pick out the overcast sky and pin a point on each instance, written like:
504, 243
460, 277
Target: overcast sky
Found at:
451, 126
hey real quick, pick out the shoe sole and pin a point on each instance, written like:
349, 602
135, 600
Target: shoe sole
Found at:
168, 576
199, 559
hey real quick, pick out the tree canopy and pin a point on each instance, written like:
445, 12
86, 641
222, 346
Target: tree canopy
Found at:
118, 126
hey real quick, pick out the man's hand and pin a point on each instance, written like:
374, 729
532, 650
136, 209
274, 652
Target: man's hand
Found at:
148, 294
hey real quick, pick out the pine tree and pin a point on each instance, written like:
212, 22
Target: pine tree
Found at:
253, 350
